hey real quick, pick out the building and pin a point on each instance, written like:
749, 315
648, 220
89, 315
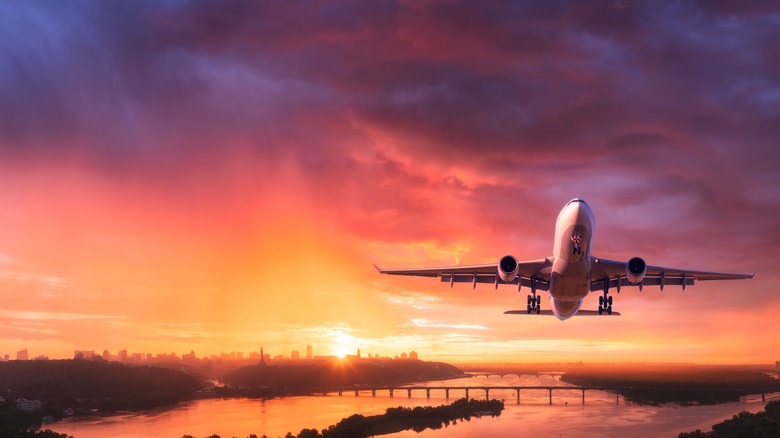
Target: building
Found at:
309, 354
413, 355
295, 355
28, 405
22, 355
84, 354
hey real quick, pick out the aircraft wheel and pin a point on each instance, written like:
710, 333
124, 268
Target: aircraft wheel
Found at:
601, 310
538, 310
529, 300
609, 301
538, 300
609, 310
601, 301
529, 309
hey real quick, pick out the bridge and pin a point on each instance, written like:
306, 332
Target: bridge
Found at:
447, 389
502, 374
466, 389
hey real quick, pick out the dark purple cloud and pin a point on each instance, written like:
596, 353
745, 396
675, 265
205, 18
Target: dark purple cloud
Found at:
619, 102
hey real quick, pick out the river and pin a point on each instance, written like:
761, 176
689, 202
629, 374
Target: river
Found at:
603, 414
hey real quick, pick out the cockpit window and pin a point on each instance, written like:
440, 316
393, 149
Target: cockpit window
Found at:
575, 200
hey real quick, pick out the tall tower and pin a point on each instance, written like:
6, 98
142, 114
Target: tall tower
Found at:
308, 352
262, 357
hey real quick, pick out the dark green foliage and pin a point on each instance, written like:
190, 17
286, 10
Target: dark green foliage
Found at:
417, 419
86, 385
22, 433
77, 379
745, 424
707, 385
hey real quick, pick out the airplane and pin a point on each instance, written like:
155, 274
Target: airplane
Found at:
570, 273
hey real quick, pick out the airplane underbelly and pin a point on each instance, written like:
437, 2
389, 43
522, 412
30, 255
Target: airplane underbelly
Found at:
569, 281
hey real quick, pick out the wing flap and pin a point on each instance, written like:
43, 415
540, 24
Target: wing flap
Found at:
647, 281
539, 284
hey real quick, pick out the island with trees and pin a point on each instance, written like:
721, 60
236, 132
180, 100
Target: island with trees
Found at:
399, 419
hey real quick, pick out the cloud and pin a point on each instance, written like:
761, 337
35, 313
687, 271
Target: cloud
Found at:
169, 151
419, 322
51, 316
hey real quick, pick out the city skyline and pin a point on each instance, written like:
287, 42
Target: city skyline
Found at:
173, 178
126, 356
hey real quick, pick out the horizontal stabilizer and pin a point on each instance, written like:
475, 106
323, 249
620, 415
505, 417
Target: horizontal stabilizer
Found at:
525, 312
549, 312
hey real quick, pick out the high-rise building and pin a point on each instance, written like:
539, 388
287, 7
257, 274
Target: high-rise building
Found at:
295, 355
22, 355
308, 352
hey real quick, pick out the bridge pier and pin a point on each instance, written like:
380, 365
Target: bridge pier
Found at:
583, 397
391, 392
467, 393
428, 393
487, 394
447, 393
550, 395
409, 391
518, 395
763, 397
373, 393
339, 393
357, 393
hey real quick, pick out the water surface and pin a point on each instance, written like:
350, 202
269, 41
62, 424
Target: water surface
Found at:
603, 414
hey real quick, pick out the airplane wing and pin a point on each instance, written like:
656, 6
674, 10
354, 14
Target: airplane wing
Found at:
614, 273
550, 313
531, 273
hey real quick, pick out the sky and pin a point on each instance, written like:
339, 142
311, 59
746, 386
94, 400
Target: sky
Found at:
222, 176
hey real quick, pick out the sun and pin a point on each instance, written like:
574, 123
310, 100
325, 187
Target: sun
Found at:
342, 344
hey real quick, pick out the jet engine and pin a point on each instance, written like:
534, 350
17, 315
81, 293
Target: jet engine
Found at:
636, 268
508, 268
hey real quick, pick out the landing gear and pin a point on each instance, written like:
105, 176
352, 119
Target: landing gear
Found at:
533, 303
605, 301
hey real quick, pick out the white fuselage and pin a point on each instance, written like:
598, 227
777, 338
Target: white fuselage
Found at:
571, 270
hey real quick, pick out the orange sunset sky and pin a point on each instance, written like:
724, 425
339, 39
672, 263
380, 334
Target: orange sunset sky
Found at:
221, 176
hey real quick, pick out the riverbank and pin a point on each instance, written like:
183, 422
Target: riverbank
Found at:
682, 384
